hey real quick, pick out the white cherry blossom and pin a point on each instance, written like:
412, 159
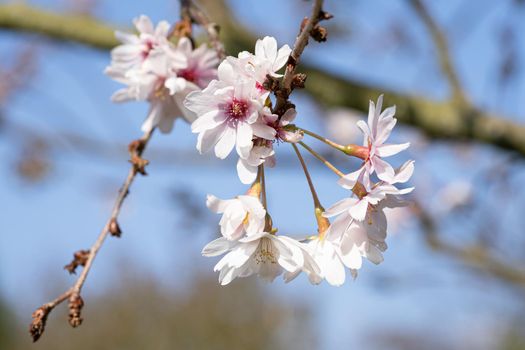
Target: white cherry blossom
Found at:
135, 49
264, 254
243, 215
259, 154
266, 60
326, 254
376, 131
228, 112
200, 69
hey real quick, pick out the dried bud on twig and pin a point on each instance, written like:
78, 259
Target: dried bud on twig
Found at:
182, 29
114, 228
324, 16
299, 80
75, 307
79, 259
135, 150
271, 83
38, 325
319, 33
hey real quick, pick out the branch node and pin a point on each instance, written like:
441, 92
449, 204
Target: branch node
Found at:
75, 307
319, 33
114, 228
136, 148
38, 324
298, 81
79, 259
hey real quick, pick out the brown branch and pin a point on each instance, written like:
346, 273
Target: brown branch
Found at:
37, 326
300, 43
198, 16
443, 51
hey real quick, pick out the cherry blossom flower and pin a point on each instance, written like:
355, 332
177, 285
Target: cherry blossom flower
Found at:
243, 215
155, 70
376, 132
355, 244
360, 228
264, 254
228, 115
149, 83
135, 49
268, 60
327, 256
280, 126
371, 195
259, 154
200, 69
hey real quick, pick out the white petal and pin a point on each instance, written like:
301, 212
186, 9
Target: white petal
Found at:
349, 180
207, 121
390, 150
247, 173
383, 170
215, 204
244, 140
264, 131
226, 143
340, 206
282, 57
208, 138
143, 24
404, 173
358, 210
217, 247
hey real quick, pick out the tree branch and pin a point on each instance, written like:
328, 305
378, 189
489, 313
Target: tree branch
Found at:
443, 51
300, 43
38, 323
436, 119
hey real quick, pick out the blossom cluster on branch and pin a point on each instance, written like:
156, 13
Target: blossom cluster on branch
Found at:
231, 107
243, 103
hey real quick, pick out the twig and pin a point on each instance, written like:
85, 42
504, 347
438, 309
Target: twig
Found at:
37, 326
322, 159
443, 51
299, 45
198, 16
317, 204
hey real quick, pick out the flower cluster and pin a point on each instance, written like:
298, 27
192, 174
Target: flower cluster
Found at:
360, 227
156, 70
233, 111
248, 238
230, 107
251, 246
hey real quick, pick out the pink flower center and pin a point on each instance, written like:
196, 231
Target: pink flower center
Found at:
149, 46
189, 74
259, 87
236, 110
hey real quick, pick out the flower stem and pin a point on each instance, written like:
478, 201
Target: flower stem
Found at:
263, 186
322, 222
350, 149
317, 204
322, 159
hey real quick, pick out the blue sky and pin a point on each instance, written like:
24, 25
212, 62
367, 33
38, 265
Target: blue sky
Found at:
44, 224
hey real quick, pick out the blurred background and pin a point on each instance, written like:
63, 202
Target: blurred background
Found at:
454, 273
